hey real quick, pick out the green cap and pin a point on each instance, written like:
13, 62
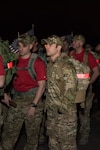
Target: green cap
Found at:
79, 37
25, 39
53, 39
34, 38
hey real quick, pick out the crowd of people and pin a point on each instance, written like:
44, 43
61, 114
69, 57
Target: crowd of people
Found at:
44, 106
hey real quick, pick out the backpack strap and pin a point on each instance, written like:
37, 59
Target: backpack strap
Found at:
85, 57
60, 81
31, 65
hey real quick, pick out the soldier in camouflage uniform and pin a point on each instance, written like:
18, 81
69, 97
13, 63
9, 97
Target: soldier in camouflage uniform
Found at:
38, 48
84, 113
61, 91
27, 96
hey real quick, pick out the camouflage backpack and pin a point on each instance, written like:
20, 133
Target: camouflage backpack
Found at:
9, 61
83, 77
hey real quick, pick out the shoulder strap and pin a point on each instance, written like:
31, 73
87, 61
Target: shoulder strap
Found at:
60, 81
85, 58
31, 65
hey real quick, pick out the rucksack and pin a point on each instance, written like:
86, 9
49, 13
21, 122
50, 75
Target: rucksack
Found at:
9, 62
30, 67
83, 77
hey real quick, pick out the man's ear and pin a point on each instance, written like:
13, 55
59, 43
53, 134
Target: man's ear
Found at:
59, 47
36, 43
81, 43
31, 46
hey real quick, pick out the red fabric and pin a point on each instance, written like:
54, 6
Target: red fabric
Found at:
2, 71
91, 60
23, 81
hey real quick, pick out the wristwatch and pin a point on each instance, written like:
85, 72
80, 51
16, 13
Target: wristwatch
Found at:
33, 105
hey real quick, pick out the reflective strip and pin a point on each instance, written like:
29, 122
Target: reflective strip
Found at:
97, 60
83, 76
10, 65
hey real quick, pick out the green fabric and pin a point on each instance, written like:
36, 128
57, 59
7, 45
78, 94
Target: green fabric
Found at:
7, 57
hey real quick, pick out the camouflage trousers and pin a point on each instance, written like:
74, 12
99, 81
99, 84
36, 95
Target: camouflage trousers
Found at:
61, 130
42, 135
84, 118
15, 119
3, 116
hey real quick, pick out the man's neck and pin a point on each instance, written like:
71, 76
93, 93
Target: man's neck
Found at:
25, 56
53, 58
79, 50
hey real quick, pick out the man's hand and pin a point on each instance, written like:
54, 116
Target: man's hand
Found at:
31, 112
6, 99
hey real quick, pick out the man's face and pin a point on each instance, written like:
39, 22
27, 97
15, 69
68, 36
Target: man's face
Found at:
65, 47
24, 50
77, 44
52, 50
34, 46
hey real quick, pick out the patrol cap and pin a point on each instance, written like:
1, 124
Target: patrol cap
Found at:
53, 39
67, 38
79, 37
34, 38
25, 39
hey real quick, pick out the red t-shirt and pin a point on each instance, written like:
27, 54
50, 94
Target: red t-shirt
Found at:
91, 59
23, 80
2, 71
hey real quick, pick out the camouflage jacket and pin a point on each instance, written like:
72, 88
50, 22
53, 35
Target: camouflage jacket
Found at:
61, 86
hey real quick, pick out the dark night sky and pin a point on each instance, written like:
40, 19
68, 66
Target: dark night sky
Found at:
50, 17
